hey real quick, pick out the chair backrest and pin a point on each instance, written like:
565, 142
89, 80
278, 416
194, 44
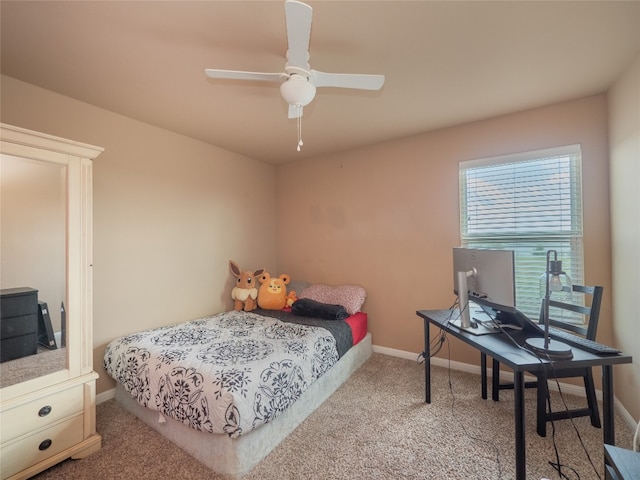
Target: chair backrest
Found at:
591, 312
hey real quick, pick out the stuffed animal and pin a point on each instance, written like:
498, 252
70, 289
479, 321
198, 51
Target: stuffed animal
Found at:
272, 294
245, 292
291, 297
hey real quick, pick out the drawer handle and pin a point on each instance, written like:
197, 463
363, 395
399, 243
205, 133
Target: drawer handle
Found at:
45, 444
44, 411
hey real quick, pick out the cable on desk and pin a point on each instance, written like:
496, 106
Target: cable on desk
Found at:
477, 439
453, 398
437, 343
452, 309
556, 465
434, 347
575, 427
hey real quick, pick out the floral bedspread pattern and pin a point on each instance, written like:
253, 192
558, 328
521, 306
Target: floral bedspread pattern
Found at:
229, 373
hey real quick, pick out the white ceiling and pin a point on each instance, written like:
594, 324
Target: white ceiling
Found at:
445, 62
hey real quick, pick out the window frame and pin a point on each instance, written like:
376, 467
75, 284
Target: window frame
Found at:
529, 238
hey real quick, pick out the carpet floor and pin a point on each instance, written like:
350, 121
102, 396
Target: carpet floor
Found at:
376, 426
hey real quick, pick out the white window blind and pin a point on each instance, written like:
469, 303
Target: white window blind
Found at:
530, 203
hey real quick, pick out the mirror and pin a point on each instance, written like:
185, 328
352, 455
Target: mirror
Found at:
33, 253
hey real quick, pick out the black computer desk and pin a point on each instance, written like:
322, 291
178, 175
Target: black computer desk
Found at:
501, 348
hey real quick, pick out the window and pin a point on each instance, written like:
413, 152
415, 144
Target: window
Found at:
530, 203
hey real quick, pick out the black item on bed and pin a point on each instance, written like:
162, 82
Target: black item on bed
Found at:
340, 330
311, 308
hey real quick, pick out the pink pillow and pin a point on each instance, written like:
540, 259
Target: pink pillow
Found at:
351, 297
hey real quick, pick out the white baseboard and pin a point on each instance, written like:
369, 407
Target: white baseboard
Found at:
506, 377
104, 396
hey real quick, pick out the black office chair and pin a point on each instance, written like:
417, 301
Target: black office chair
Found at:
592, 313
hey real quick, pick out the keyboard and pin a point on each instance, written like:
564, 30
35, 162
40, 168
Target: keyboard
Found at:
581, 342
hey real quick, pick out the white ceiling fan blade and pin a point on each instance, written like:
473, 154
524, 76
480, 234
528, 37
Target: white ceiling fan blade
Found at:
299, 82
240, 75
295, 111
298, 16
347, 80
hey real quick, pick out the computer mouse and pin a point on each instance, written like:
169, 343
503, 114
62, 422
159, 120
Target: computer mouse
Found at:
474, 324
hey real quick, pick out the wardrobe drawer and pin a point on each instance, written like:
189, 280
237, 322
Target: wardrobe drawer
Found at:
40, 413
19, 455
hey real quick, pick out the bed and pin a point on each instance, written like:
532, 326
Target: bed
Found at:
229, 388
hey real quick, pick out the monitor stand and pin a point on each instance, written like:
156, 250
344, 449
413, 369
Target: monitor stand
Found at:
478, 329
481, 322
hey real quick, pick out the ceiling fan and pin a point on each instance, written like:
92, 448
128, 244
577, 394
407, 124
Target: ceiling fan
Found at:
299, 81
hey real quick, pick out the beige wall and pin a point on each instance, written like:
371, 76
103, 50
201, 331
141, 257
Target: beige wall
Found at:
386, 217
624, 139
169, 213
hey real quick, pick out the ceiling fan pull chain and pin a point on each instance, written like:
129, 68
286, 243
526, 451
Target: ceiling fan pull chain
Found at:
298, 82
300, 142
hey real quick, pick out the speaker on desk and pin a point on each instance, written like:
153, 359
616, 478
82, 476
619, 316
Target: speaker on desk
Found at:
45, 331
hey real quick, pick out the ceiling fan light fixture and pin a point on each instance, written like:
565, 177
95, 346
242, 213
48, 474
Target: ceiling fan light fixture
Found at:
299, 87
297, 90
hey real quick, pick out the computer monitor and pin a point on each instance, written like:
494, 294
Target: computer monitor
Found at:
486, 277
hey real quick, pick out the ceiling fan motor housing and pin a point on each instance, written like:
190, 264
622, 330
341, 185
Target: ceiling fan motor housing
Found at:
299, 87
298, 90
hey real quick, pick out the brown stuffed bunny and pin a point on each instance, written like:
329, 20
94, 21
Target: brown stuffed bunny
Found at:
245, 292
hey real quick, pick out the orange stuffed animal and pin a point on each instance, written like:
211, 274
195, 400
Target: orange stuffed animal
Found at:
245, 292
272, 294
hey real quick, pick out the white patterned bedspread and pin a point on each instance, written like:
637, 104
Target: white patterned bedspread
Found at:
229, 373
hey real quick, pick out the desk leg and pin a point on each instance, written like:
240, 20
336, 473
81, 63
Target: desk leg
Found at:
483, 374
607, 405
427, 363
518, 389
495, 380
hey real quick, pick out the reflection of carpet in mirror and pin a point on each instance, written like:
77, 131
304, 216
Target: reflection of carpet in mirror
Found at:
32, 366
